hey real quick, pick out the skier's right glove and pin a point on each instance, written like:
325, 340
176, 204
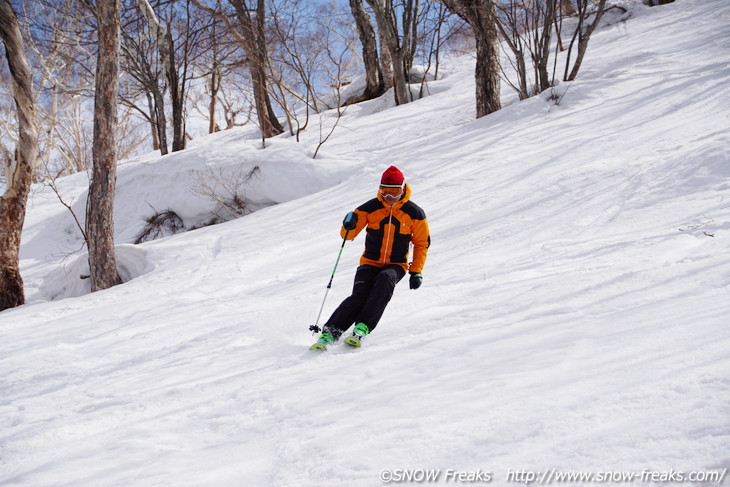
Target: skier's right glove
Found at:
350, 221
416, 280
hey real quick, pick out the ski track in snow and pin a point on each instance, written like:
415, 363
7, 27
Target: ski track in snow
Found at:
573, 314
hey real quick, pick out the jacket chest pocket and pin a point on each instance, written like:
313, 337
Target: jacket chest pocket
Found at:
404, 227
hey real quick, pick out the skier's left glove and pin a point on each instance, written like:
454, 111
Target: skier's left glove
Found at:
350, 221
416, 280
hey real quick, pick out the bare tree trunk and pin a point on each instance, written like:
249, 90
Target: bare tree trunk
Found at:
255, 47
509, 26
19, 172
389, 36
438, 41
373, 75
386, 61
583, 34
487, 68
166, 48
566, 9
142, 69
160, 120
215, 82
274, 127
214, 87
409, 43
177, 99
152, 119
542, 44
100, 206
481, 15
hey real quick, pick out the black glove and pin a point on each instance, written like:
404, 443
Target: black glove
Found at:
416, 280
350, 221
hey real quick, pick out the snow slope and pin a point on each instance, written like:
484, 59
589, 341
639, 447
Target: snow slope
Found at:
573, 314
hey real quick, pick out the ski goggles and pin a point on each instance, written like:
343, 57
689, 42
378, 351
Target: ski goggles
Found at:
392, 192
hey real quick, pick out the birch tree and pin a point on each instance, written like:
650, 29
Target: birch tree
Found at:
100, 205
19, 169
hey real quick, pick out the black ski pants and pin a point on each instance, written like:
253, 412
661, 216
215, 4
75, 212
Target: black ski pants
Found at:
370, 295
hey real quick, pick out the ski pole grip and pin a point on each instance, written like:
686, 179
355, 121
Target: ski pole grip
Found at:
350, 221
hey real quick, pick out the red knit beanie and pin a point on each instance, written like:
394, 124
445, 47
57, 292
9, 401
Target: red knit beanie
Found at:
392, 178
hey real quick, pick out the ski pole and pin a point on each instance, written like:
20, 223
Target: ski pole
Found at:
315, 327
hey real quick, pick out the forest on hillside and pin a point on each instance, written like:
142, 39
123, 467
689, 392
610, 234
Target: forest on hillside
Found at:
89, 83
190, 67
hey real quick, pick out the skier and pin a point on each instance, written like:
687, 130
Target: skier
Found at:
392, 223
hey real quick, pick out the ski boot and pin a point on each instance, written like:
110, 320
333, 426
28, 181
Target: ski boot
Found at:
360, 331
324, 340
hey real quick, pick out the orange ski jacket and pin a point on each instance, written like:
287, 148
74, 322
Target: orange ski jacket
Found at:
390, 231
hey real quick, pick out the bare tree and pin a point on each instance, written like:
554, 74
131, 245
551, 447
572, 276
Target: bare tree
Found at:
339, 69
314, 57
481, 15
58, 89
233, 106
145, 91
19, 171
100, 205
253, 26
175, 69
540, 42
510, 27
527, 28
221, 57
410, 11
297, 55
221, 63
395, 45
438, 30
61, 42
166, 49
229, 88
582, 34
565, 9
375, 85
73, 138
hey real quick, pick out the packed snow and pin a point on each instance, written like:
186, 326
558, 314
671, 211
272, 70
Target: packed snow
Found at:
573, 317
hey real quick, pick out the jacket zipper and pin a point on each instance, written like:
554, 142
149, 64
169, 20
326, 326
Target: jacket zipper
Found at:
387, 237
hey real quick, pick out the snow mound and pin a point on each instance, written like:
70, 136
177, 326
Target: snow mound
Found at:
71, 280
